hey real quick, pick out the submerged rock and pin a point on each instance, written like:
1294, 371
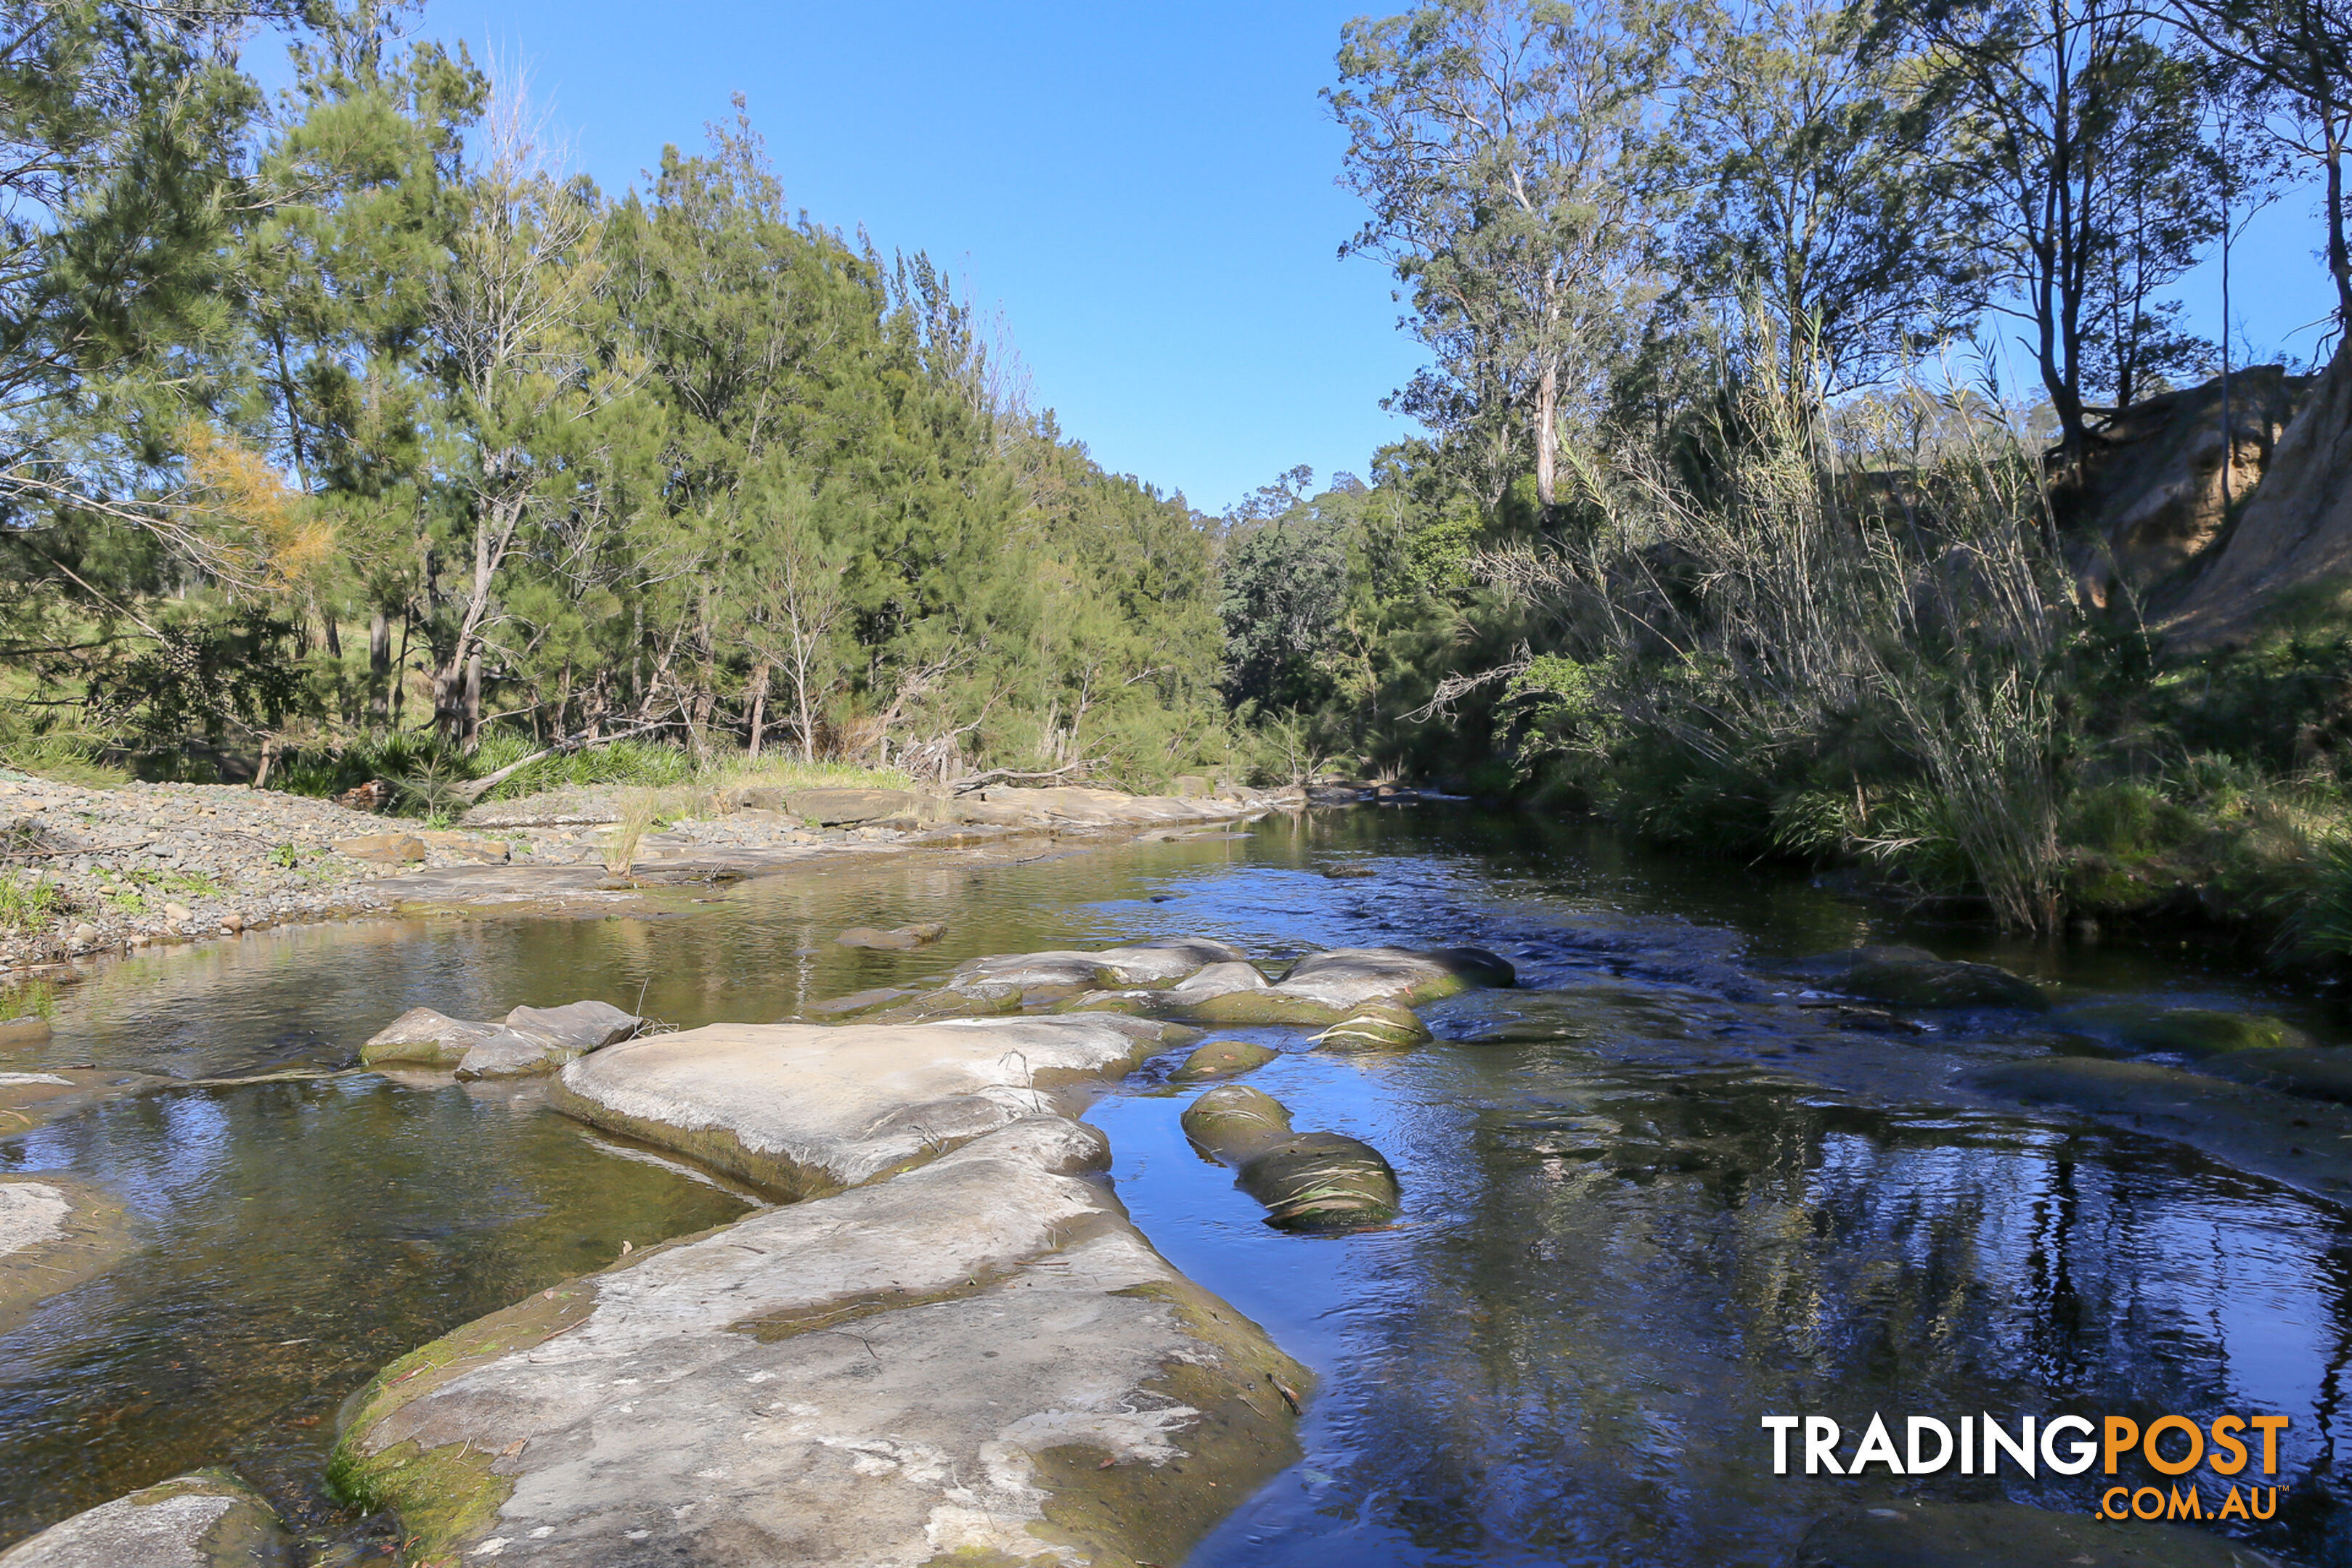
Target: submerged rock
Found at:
2179, 1031
1906, 1534
1307, 1181
922, 933
28, 1100
206, 1519
808, 1109
2314, 1073
978, 1361
2302, 1142
55, 1232
1222, 1058
1374, 1026
1908, 977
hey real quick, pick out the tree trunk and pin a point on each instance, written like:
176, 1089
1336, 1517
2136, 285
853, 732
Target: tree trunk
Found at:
379, 666
473, 729
759, 706
1547, 438
2339, 262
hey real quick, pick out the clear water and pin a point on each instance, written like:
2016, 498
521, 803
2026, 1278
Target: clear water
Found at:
1638, 1215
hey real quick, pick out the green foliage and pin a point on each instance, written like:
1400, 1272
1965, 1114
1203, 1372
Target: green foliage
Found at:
29, 901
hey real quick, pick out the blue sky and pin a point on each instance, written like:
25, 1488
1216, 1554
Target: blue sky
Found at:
1147, 192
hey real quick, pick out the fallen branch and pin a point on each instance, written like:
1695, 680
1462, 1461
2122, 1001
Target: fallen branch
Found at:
1006, 776
475, 789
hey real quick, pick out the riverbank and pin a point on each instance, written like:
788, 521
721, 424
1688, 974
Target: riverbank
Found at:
92, 871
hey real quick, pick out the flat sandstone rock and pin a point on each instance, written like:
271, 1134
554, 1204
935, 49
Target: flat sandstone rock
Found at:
208, 1520
979, 1360
807, 1108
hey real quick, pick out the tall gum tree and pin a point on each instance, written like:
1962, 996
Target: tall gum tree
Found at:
1500, 146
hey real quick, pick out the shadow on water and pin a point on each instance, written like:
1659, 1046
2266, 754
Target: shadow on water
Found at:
1647, 1203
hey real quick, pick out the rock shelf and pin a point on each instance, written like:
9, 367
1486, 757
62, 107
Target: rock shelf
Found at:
976, 1359
208, 1520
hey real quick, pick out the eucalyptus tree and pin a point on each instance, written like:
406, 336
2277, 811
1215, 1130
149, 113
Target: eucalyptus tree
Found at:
2089, 121
1829, 192
1502, 146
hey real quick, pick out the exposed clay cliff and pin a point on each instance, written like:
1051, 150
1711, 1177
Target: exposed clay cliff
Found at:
2150, 500
2292, 537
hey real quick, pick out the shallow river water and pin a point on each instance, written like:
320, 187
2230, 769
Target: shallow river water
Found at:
1647, 1200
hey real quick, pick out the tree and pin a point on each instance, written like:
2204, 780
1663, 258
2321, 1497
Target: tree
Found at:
2091, 130
1828, 191
2300, 53
512, 317
1500, 144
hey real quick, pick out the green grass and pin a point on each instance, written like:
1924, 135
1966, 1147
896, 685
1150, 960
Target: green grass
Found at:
28, 904
427, 777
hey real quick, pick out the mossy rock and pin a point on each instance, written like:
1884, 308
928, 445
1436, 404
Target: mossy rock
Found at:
2136, 1026
1269, 1006
2314, 1073
1937, 983
1133, 1003
1912, 1534
1322, 1181
984, 1001
1375, 1026
206, 1517
1234, 1122
1222, 1058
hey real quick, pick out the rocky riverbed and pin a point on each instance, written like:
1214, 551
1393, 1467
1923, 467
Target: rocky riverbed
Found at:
92, 870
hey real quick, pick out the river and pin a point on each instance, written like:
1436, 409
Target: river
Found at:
1642, 1208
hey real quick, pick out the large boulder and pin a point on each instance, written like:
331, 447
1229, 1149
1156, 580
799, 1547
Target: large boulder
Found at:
1307, 1181
206, 1519
1909, 1533
1374, 1026
1216, 980
807, 1108
979, 1360
509, 1053
55, 1232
